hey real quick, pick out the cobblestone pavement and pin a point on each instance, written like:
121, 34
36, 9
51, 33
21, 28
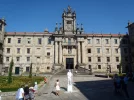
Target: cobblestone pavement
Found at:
85, 88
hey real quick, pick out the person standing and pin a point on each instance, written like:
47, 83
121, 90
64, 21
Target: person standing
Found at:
20, 93
57, 86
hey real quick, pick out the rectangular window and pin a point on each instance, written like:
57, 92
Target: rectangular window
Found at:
19, 40
126, 59
89, 67
89, 41
27, 69
89, 50
28, 59
7, 59
98, 50
107, 50
17, 58
99, 66
118, 66
9, 40
39, 41
116, 50
99, 59
124, 41
115, 41
18, 50
29, 40
89, 59
97, 41
108, 59
107, 41
117, 59
28, 50
125, 50
48, 53
8, 50
49, 41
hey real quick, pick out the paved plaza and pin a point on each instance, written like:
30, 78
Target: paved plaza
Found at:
85, 88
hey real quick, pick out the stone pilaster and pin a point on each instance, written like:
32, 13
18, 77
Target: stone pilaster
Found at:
83, 53
60, 53
79, 53
56, 52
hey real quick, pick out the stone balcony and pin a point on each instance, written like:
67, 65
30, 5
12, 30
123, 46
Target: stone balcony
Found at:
69, 44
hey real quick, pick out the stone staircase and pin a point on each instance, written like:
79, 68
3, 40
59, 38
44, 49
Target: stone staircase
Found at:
80, 71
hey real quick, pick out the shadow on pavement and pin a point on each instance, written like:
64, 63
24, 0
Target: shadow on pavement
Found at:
102, 89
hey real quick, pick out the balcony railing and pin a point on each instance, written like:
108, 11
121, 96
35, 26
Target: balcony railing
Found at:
68, 44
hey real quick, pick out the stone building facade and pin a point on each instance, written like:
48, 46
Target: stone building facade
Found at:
68, 48
2, 32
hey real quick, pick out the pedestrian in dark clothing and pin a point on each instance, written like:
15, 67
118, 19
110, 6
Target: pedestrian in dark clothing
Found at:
124, 85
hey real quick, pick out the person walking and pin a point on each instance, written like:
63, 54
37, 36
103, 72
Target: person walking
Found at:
20, 93
124, 85
57, 86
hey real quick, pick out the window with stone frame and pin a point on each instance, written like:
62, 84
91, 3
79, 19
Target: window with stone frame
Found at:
6, 69
89, 67
117, 59
89, 50
17, 59
116, 50
108, 59
115, 41
69, 22
89, 41
19, 40
18, 50
124, 41
125, 50
9, 40
27, 69
28, 50
98, 50
99, 66
39, 41
126, 59
107, 50
29, 40
28, 59
8, 50
89, 59
107, 41
48, 53
48, 68
49, 41
97, 41
99, 59
118, 66
7, 59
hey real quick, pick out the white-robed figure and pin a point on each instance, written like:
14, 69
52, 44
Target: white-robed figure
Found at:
69, 76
